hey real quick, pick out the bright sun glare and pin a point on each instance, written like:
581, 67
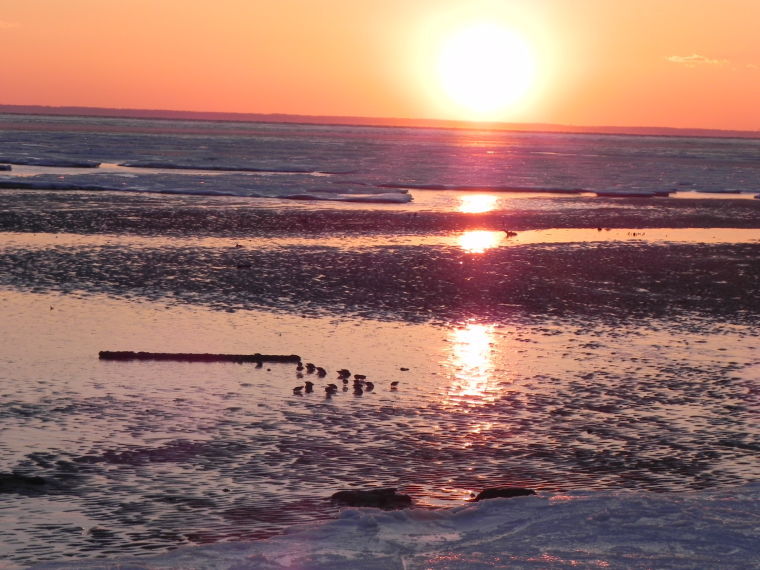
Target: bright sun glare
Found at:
485, 69
478, 241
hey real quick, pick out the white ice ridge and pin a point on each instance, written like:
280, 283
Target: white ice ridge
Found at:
169, 165
385, 197
624, 529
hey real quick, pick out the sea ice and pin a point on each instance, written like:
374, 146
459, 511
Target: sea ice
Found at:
386, 197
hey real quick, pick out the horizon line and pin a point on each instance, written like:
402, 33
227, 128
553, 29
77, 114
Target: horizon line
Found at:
354, 120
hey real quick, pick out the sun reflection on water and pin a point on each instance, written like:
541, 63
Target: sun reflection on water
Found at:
471, 362
477, 203
477, 241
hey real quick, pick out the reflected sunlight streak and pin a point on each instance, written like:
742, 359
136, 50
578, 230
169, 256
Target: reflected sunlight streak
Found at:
477, 241
477, 203
471, 361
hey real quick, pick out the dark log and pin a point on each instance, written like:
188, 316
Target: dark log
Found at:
196, 357
61, 162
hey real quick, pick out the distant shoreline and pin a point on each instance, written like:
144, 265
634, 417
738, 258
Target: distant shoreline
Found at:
369, 121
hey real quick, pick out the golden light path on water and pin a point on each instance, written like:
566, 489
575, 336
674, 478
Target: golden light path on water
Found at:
471, 361
478, 241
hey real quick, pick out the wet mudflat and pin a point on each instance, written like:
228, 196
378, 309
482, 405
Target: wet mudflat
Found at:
554, 366
430, 212
413, 283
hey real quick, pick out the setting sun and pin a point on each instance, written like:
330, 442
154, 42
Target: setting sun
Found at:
485, 68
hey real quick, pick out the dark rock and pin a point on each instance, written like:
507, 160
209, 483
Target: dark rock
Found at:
503, 492
377, 498
14, 483
5, 167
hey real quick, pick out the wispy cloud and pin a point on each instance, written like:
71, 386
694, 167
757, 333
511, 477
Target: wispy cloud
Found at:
694, 60
8, 25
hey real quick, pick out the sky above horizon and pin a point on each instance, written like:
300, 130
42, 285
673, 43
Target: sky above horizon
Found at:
660, 63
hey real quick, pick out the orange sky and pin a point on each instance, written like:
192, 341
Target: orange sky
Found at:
678, 63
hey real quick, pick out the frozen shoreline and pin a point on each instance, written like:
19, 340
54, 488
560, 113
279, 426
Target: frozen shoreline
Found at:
580, 530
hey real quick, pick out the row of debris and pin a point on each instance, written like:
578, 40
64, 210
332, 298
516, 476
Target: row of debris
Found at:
359, 387
360, 382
